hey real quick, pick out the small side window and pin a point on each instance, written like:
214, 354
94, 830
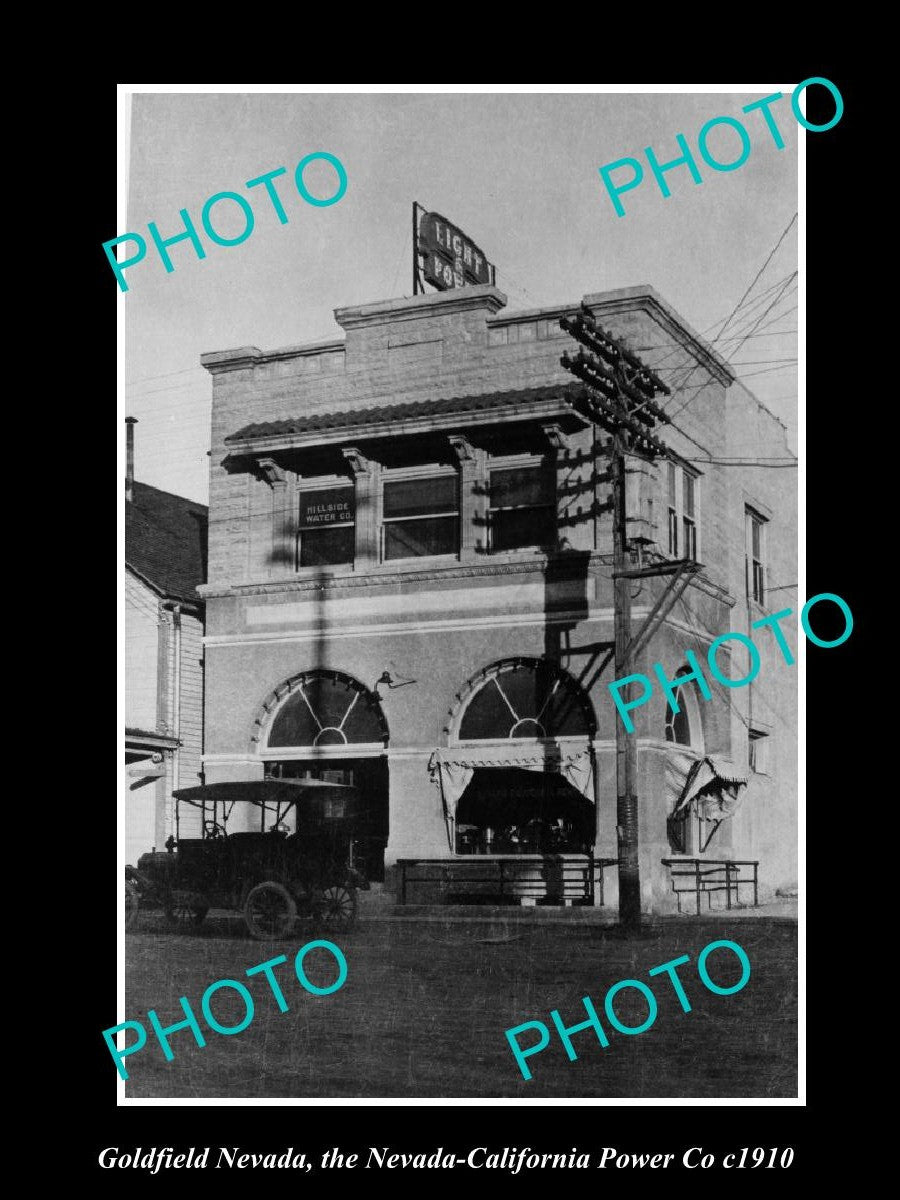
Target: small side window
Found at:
758, 751
755, 559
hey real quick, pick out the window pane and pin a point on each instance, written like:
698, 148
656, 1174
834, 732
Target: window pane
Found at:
327, 545
688, 490
414, 539
690, 539
418, 497
682, 727
519, 528
522, 485
326, 506
678, 725
672, 486
673, 533
758, 586
755, 536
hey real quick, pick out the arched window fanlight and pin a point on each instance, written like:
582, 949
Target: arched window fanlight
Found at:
327, 708
526, 698
678, 725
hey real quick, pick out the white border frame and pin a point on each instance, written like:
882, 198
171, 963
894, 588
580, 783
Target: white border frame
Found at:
124, 93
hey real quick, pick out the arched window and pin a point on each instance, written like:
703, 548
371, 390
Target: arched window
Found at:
678, 725
327, 708
525, 698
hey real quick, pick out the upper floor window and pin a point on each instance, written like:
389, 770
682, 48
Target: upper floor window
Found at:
755, 559
420, 517
683, 511
522, 508
327, 526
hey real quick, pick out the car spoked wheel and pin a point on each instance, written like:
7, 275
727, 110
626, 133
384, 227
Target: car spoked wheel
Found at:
336, 905
186, 910
132, 904
270, 911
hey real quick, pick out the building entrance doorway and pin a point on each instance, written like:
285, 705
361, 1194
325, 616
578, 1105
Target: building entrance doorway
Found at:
367, 833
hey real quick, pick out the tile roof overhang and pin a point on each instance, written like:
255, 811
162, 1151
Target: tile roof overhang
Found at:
417, 416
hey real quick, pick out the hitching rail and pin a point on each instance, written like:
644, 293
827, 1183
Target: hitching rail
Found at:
706, 876
525, 876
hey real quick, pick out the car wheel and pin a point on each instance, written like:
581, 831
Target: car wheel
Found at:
336, 905
186, 911
269, 911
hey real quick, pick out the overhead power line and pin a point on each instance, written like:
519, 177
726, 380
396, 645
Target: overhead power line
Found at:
765, 313
757, 276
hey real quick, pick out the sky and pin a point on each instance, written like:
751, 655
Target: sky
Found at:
517, 172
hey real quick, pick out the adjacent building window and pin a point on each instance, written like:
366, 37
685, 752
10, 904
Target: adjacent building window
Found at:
420, 517
327, 526
682, 510
522, 508
758, 751
756, 555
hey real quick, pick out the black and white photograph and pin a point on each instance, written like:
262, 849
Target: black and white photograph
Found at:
465, 625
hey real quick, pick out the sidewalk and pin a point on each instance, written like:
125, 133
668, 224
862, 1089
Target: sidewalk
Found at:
375, 907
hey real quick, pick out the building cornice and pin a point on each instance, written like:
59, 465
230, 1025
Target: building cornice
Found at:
218, 362
646, 298
490, 301
393, 427
484, 297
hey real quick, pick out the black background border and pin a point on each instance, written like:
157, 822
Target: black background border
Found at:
837, 266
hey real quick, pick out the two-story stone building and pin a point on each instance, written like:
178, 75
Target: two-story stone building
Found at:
410, 552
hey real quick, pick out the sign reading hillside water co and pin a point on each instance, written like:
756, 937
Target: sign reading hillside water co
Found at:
451, 259
334, 506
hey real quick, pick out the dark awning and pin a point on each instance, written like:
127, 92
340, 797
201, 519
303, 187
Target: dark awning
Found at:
714, 786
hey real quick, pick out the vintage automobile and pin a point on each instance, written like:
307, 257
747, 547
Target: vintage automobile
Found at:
297, 863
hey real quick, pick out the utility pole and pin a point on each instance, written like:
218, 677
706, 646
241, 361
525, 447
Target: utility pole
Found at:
626, 746
619, 397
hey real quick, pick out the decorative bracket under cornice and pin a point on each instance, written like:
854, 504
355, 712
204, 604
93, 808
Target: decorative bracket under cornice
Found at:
358, 462
462, 447
555, 436
269, 470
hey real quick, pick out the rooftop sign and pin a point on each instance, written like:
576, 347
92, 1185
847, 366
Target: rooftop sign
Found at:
450, 259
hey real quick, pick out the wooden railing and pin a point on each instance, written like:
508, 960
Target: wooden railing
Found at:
550, 878
702, 876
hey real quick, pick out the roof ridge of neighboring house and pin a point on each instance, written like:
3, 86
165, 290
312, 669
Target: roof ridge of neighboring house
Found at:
166, 541
138, 483
155, 519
